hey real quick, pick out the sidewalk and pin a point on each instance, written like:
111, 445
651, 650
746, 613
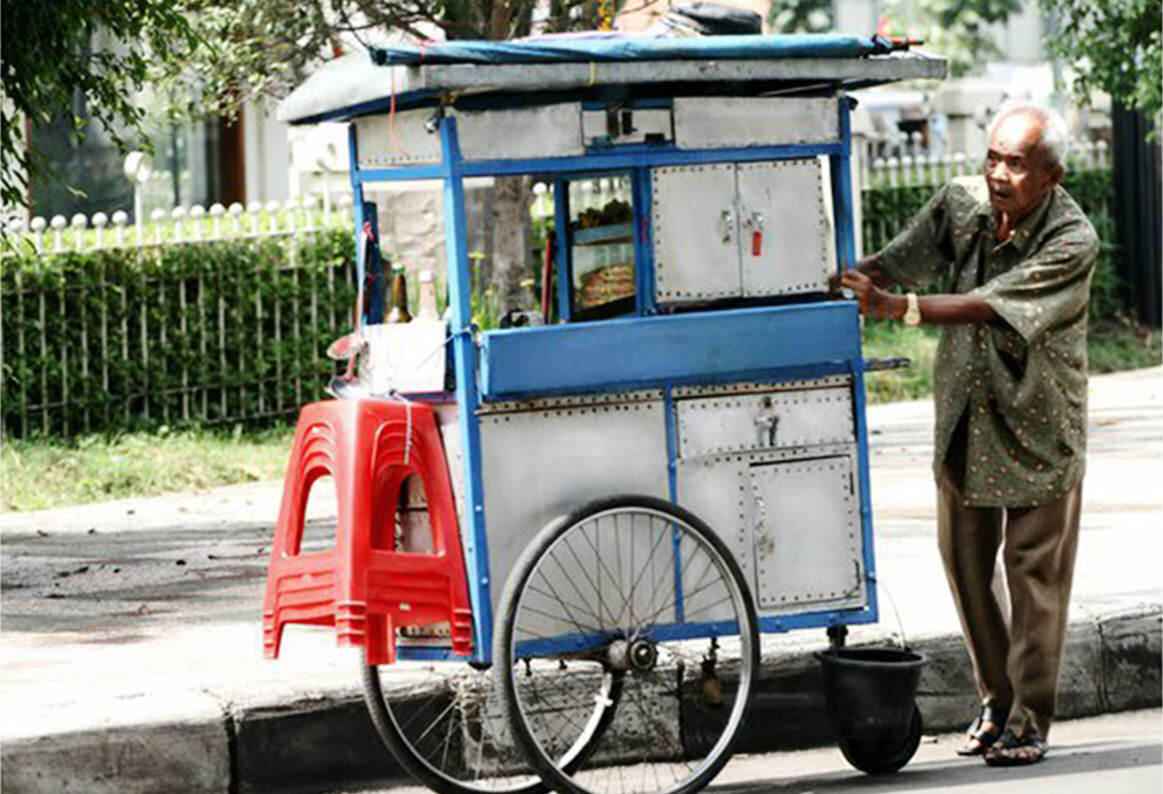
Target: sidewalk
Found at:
132, 657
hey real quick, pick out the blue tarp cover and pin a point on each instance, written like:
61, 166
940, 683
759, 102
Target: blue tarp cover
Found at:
625, 47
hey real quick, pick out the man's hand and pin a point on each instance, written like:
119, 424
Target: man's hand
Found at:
874, 302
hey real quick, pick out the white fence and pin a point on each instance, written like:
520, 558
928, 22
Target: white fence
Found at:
905, 161
59, 234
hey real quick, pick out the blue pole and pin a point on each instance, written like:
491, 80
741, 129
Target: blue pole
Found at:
476, 549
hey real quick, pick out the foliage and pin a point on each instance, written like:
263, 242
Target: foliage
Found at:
266, 47
958, 29
801, 16
78, 59
889, 339
133, 338
41, 473
1114, 46
886, 210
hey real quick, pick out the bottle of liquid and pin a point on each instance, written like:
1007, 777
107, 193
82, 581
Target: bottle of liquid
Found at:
427, 310
398, 298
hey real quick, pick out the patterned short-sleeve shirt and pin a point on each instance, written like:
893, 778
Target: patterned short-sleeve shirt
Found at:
1021, 380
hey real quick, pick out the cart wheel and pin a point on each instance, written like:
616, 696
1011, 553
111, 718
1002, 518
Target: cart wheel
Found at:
445, 724
884, 755
635, 594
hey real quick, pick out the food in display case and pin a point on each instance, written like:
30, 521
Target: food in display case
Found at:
602, 236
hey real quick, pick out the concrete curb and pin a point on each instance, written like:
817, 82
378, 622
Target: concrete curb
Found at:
1111, 664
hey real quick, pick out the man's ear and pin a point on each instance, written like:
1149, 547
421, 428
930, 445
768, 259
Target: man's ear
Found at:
1056, 174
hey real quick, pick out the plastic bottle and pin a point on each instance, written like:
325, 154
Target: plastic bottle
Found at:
398, 298
427, 309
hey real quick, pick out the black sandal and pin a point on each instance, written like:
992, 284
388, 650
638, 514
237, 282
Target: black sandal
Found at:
982, 738
1009, 750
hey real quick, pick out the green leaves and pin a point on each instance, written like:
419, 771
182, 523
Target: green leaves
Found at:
1113, 46
62, 57
189, 334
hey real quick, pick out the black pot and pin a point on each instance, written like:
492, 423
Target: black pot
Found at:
870, 693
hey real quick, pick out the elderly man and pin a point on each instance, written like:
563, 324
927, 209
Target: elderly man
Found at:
1010, 390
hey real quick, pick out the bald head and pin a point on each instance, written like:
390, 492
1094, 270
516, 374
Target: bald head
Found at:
1024, 161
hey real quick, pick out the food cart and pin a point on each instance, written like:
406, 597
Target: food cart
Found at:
631, 496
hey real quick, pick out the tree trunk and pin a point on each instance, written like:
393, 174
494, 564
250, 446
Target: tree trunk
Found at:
510, 228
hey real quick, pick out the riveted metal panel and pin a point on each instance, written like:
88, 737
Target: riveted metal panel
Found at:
787, 240
387, 140
719, 492
727, 122
746, 422
541, 464
521, 133
695, 234
806, 532
719, 389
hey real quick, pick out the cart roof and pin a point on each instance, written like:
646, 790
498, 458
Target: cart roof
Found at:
596, 66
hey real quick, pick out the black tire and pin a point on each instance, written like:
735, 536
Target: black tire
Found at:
682, 700
884, 755
446, 726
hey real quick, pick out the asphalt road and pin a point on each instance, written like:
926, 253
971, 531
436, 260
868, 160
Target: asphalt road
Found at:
1118, 753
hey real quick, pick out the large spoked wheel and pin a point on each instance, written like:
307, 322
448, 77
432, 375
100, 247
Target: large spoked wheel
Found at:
446, 726
636, 595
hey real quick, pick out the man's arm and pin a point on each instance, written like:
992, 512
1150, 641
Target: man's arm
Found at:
935, 309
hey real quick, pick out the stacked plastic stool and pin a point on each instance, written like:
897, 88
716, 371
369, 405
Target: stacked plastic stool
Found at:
364, 585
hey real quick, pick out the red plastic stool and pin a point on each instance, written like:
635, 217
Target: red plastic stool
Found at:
364, 586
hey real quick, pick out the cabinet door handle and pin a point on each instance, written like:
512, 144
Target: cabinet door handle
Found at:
727, 227
767, 424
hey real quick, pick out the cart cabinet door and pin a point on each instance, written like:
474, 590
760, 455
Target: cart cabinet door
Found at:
785, 232
696, 234
806, 532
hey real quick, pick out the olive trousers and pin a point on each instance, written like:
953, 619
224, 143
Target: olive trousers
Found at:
1015, 647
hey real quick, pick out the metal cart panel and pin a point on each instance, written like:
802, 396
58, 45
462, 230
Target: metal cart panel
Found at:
716, 425
785, 238
694, 223
728, 122
542, 463
807, 538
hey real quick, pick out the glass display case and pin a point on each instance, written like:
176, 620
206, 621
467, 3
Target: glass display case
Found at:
601, 246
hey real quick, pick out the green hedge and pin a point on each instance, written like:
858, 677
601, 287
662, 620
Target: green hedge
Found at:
201, 333
887, 209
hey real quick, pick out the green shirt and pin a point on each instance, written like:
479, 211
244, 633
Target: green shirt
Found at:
1022, 379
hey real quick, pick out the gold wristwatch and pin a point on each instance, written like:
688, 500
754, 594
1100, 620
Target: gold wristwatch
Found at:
913, 311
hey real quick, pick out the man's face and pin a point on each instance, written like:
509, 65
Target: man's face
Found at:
1015, 167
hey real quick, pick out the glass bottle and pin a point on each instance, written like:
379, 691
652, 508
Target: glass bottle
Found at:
398, 298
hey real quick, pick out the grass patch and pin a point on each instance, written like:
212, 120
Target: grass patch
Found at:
1113, 346
46, 472
887, 339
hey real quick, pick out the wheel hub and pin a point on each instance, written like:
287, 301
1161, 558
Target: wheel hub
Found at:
643, 655
640, 655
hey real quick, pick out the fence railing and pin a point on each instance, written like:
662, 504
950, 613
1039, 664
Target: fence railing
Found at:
214, 318
894, 187
905, 160
180, 225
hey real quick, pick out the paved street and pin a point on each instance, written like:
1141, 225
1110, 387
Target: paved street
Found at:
1118, 753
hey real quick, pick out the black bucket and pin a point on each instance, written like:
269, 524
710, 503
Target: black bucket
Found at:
870, 693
